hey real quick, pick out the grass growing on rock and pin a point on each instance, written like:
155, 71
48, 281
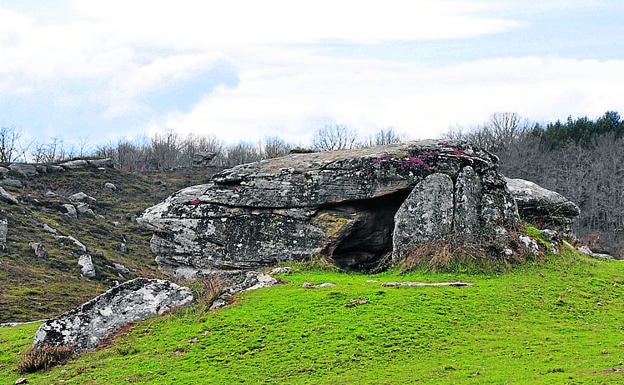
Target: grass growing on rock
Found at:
553, 322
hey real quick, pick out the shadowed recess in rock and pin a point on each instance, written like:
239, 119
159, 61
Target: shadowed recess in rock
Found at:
369, 241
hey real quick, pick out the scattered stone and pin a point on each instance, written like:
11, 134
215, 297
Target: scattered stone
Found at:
11, 183
82, 197
74, 164
131, 301
23, 170
123, 248
5, 196
21, 380
116, 224
193, 340
81, 247
419, 284
84, 209
357, 301
253, 280
308, 285
39, 250
50, 194
121, 268
71, 211
87, 267
530, 244
218, 303
54, 168
587, 251
110, 186
101, 163
4, 229
281, 270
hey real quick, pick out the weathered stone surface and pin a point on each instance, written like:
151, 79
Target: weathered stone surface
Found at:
86, 266
11, 182
4, 172
543, 207
23, 170
7, 197
341, 204
426, 215
87, 325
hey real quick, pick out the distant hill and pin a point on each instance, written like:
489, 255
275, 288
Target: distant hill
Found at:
39, 269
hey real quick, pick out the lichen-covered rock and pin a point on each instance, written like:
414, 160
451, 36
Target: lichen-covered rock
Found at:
86, 326
543, 207
340, 203
426, 215
86, 266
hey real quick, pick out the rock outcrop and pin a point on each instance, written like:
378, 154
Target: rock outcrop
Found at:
349, 205
86, 326
542, 207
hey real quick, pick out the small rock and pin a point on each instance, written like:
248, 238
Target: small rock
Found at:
74, 164
82, 197
281, 270
218, 303
110, 186
71, 211
4, 229
21, 380
23, 170
530, 244
7, 197
193, 340
88, 269
39, 249
123, 248
73, 240
11, 182
308, 285
49, 229
101, 163
54, 168
122, 269
50, 194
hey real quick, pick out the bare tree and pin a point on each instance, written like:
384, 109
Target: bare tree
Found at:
243, 153
334, 137
384, 136
9, 144
275, 147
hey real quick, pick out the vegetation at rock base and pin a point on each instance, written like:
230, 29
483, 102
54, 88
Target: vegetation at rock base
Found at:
556, 321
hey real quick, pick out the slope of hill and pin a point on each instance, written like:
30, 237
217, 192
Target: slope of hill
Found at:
38, 286
552, 321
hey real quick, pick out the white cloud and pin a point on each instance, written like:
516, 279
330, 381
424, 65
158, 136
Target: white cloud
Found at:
420, 100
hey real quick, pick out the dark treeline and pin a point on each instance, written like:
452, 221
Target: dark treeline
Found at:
582, 159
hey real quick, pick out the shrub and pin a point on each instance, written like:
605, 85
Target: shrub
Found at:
45, 357
207, 288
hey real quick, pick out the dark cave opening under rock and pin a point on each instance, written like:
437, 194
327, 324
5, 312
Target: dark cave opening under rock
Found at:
369, 243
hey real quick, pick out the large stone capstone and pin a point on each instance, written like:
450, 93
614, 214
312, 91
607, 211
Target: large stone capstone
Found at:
356, 206
86, 326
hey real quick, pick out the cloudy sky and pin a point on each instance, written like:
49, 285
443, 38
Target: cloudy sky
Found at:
99, 71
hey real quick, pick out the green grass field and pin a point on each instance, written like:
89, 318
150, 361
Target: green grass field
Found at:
557, 321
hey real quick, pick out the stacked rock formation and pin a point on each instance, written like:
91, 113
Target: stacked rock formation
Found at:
355, 206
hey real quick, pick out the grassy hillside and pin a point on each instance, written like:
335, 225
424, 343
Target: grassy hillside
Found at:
34, 287
557, 321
